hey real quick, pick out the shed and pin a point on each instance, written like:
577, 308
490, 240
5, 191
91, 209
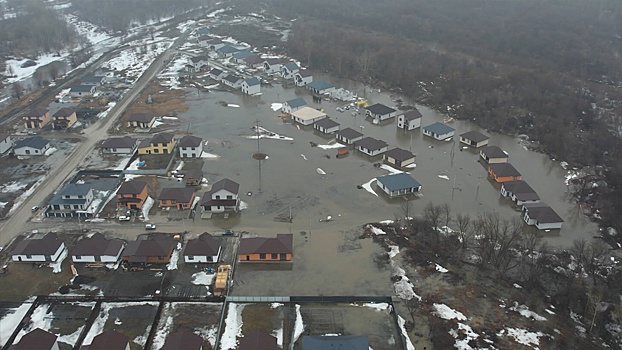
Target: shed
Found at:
307, 115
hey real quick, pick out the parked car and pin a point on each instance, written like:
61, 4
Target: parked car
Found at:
228, 233
34, 209
125, 218
150, 226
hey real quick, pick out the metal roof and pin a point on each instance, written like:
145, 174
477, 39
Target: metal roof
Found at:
542, 213
396, 182
252, 81
327, 123
349, 133
474, 136
399, 154
380, 109
439, 128
297, 102
494, 152
320, 85
37, 142
412, 114
371, 143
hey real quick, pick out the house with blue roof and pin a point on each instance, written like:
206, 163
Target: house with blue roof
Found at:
293, 105
31, 146
251, 86
399, 184
72, 201
227, 51
321, 87
289, 70
439, 131
240, 56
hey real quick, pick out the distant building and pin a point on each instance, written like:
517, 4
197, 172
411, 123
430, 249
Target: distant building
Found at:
36, 118
64, 118
303, 77
289, 69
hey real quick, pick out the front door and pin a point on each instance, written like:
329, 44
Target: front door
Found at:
283, 257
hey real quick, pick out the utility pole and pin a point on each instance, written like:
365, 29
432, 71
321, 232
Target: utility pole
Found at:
258, 151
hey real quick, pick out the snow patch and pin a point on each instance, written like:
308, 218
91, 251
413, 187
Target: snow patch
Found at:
445, 312
524, 310
439, 268
299, 325
335, 145
367, 187
402, 322
172, 265
233, 327
56, 266
276, 106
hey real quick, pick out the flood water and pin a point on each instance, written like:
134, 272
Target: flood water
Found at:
289, 182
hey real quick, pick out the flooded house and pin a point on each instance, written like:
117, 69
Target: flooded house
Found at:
45, 249
253, 61
31, 146
289, 69
307, 115
439, 131
232, 81
176, 197
262, 249
321, 87
503, 172
119, 145
199, 62
348, 136
542, 216
400, 184
240, 56
190, 146
36, 118
203, 249
217, 74
272, 65
95, 80
132, 195
303, 77
226, 51
222, 197
493, 154
97, 249
409, 120
251, 86
474, 139
371, 146
64, 118
380, 112
399, 157
141, 120
293, 105
326, 126
519, 192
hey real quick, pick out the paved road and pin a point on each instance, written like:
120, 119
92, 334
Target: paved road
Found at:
97, 132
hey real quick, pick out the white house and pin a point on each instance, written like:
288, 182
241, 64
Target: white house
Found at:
542, 216
348, 136
288, 70
519, 192
119, 145
398, 184
190, 147
251, 86
31, 146
409, 120
46, 249
222, 197
307, 115
321, 87
204, 249
96, 80
5, 142
371, 146
272, 65
199, 62
439, 131
217, 74
82, 90
303, 77
232, 81
474, 139
380, 112
293, 105
326, 126
73, 200
97, 249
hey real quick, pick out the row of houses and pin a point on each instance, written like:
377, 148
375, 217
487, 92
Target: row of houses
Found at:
38, 118
249, 86
189, 146
29, 146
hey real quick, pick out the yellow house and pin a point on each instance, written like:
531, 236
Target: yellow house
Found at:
162, 143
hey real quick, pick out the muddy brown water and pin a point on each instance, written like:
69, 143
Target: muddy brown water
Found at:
288, 180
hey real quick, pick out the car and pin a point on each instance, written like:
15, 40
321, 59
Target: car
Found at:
125, 218
228, 233
150, 226
34, 209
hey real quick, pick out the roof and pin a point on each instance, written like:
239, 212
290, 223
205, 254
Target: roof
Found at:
282, 244
308, 113
228, 49
349, 133
182, 341
204, 245
35, 112
342, 342
181, 195
297, 102
163, 137
4, 135
93, 79
194, 174
254, 59
474, 136
81, 88
371, 143
320, 85
542, 213
252, 81
119, 142
258, 340
292, 66
216, 71
327, 123
399, 154
109, 340
36, 339
494, 152
74, 189
242, 54
141, 117
412, 114
504, 169
64, 112
272, 61
47, 245
37, 142
305, 73
439, 128
226, 184
190, 141
521, 190
380, 109
198, 59
132, 187
158, 245
396, 182
232, 78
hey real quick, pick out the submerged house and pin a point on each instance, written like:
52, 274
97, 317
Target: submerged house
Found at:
503, 172
222, 197
439, 131
399, 157
474, 139
307, 115
398, 184
380, 112
293, 105
493, 154
371, 146
348, 136
303, 77
519, 192
410, 120
541, 216
326, 126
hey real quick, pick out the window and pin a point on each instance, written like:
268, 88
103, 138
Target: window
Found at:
134, 195
28, 256
173, 201
217, 196
262, 256
114, 149
190, 257
229, 197
274, 256
155, 150
80, 196
78, 257
160, 258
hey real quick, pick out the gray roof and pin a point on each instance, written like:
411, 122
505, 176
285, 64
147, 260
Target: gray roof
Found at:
181, 195
47, 245
297, 102
254, 59
35, 112
64, 112
4, 135
216, 71
93, 79
190, 141
439, 128
226, 184
371, 143
74, 189
494, 152
37, 142
198, 59
119, 142
474, 136
399, 154
320, 85
204, 245
521, 190
292, 66
542, 213
81, 88
252, 81
232, 78
141, 117
242, 54
412, 114
380, 109
504, 169
349, 133
228, 49
305, 73
327, 123
272, 61
97, 245
396, 182
341, 342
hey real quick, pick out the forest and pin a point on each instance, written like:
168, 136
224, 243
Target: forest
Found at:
550, 70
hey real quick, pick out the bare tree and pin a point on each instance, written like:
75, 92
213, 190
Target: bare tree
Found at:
464, 229
499, 238
17, 90
431, 216
446, 214
53, 70
37, 77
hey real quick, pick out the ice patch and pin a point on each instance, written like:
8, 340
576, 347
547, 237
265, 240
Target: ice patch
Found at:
299, 325
202, 278
439, 268
376, 230
276, 106
56, 266
335, 145
523, 336
233, 105
444, 177
367, 187
391, 169
402, 322
172, 265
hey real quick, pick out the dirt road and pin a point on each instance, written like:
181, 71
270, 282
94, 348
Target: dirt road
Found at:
97, 132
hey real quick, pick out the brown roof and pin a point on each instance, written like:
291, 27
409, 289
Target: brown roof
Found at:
474, 136
226, 184
494, 152
258, 340
37, 339
48, 245
504, 169
97, 245
327, 123
253, 60
164, 137
521, 190
349, 133
159, 245
190, 141
371, 143
64, 112
193, 174
119, 142
205, 245
399, 154
141, 117
182, 341
260, 245
412, 114
132, 187
181, 195
272, 61
110, 340
35, 112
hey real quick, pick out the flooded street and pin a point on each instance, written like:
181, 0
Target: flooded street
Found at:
290, 183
